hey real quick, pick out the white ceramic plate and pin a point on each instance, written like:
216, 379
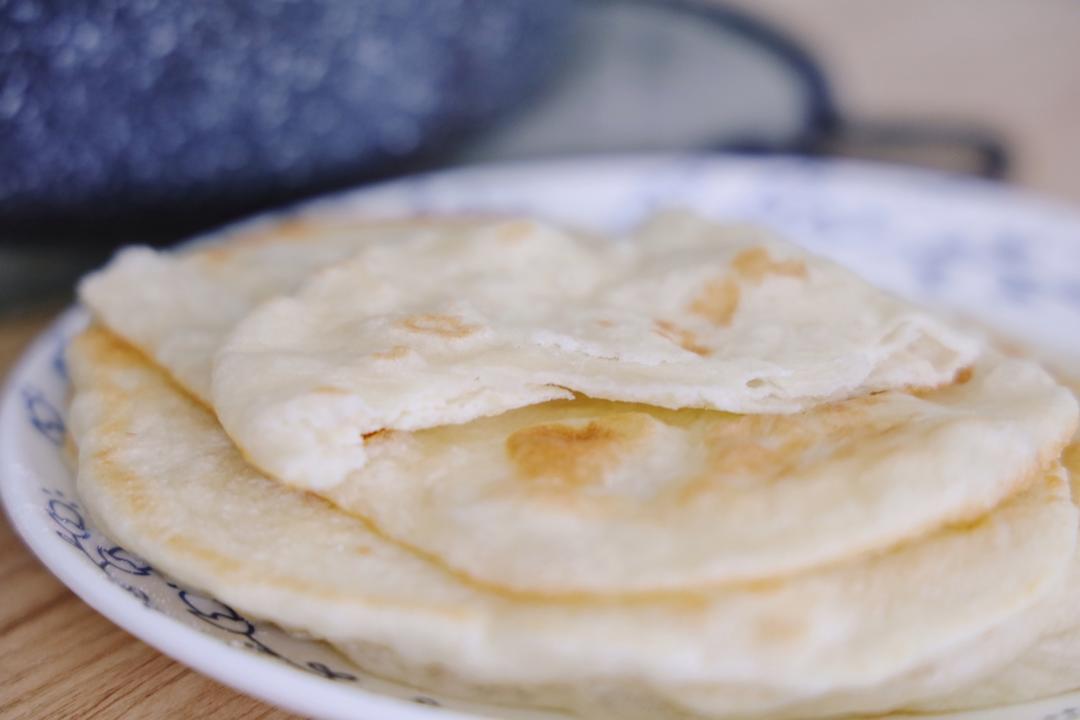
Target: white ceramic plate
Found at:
1007, 259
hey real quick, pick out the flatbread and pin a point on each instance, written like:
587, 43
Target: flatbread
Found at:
443, 329
178, 307
1049, 666
591, 496
1034, 654
156, 470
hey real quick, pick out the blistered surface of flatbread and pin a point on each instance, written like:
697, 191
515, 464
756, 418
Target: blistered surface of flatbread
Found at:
591, 496
445, 329
178, 307
158, 472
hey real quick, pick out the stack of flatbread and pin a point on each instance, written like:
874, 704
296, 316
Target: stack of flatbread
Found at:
695, 472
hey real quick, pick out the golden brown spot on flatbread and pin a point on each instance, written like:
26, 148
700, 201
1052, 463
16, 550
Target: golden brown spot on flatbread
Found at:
301, 228
290, 230
763, 585
120, 481
757, 445
217, 254
968, 524
395, 353
718, 301
223, 252
210, 556
377, 435
605, 323
681, 337
1069, 381
224, 564
1012, 348
780, 629
763, 448
109, 349
443, 325
106, 348
754, 264
1070, 458
577, 456
962, 377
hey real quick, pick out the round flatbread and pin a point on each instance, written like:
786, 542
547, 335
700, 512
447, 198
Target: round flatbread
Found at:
1049, 666
157, 471
597, 497
178, 307
443, 329
1033, 654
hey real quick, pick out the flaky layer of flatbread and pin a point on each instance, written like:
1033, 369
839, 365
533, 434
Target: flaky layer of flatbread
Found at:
178, 307
443, 329
588, 496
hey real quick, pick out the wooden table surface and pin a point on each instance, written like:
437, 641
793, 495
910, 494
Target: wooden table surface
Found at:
61, 659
